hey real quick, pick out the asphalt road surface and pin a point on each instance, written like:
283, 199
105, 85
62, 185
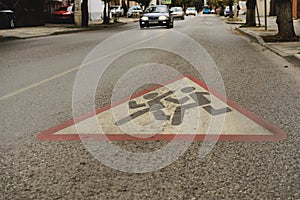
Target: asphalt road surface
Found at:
38, 77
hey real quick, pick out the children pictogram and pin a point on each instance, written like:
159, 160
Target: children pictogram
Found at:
156, 105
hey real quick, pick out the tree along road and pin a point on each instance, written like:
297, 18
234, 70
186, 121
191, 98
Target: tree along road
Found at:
37, 81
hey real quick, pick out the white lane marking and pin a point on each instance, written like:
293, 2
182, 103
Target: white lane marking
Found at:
16, 92
37, 84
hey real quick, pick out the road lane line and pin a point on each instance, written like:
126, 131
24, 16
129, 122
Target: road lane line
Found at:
16, 92
37, 84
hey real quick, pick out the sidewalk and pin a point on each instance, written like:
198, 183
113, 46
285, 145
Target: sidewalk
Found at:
55, 29
288, 50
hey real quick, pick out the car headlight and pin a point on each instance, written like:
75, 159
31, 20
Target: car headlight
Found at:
144, 18
162, 18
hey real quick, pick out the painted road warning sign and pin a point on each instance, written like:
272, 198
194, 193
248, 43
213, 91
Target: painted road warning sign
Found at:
168, 107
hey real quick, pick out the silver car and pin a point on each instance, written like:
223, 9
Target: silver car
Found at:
134, 11
116, 11
191, 11
177, 12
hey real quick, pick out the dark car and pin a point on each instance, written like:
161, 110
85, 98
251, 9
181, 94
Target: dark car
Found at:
64, 14
158, 15
7, 17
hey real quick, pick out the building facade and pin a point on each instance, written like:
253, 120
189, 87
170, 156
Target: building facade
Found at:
261, 7
296, 9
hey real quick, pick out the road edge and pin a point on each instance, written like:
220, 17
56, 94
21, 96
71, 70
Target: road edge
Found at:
294, 59
79, 29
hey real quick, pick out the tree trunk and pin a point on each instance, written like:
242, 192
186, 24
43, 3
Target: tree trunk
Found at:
284, 20
105, 18
230, 8
250, 15
125, 7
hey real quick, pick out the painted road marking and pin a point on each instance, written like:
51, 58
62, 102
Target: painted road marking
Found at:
167, 104
21, 90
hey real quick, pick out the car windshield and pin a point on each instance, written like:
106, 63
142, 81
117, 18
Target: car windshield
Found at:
177, 9
191, 9
157, 9
134, 8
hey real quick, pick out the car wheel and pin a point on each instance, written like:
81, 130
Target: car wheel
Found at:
12, 24
182, 18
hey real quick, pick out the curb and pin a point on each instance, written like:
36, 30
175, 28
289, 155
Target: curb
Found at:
227, 21
80, 29
8, 38
256, 38
89, 28
234, 22
294, 59
252, 36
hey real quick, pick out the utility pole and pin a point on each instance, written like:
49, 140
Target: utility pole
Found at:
77, 13
85, 13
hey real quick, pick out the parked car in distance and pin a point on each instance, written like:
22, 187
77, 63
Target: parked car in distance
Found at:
64, 14
134, 11
212, 11
7, 17
191, 11
158, 15
177, 12
116, 11
227, 11
206, 10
